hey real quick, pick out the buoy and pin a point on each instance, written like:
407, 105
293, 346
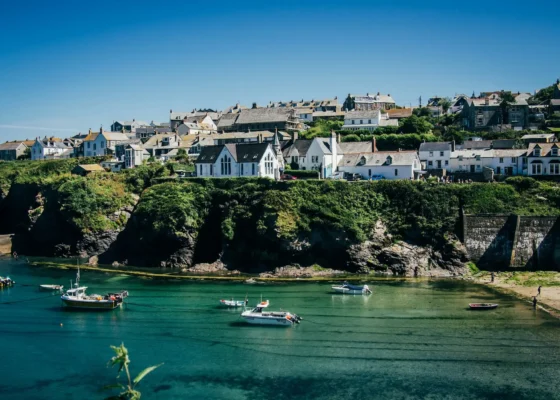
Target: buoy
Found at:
61, 324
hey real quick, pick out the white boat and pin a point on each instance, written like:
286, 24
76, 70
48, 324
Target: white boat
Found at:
77, 298
351, 289
51, 287
234, 303
259, 317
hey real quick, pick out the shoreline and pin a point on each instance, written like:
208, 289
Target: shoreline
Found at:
524, 286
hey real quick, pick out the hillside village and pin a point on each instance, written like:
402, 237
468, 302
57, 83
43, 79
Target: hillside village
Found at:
478, 138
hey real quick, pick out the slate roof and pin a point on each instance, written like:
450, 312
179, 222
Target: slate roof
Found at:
538, 136
379, 158
319, 114
118, 136
263, 115
373, 98
209, 154
503, 143
366, 114
301, 145
227, 120
11, 145
305, 103
435, 146
355, 147
476, 144
545, 149
241, 152
91, 137
510, 152
326, 146
178, 116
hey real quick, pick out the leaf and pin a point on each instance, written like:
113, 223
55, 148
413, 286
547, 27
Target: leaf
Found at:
113, 386
142, 374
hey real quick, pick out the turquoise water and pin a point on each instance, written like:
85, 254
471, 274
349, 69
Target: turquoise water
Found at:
409, 340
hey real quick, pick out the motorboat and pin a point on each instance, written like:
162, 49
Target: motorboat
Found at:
51, 287
6, 282
347, 288
76, 297
483, 306
234, 303
259, 316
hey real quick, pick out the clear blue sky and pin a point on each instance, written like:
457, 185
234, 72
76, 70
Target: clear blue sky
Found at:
69, 66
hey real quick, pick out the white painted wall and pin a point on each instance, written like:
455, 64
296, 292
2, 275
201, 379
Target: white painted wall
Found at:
434, 156
387, 171
259, 169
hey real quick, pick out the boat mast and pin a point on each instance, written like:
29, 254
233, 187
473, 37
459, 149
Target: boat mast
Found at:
78, 274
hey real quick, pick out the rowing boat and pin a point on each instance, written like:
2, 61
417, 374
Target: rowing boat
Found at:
482, 306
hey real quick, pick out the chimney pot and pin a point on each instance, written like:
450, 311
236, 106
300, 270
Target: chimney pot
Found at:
373, 144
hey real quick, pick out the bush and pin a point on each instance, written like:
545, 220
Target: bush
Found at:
522, 183
304, 174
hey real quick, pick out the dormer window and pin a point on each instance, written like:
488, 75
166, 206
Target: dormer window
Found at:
537, 152
362, 161
389, 160
554, 151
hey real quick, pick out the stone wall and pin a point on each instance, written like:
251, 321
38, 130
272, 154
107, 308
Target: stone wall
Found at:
498, 242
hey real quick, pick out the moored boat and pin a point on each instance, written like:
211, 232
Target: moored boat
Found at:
234, 303
483, 306
258, 316
51, 287
351, 289
78, 298
6, 282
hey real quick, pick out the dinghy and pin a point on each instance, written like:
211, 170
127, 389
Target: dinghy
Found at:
51, 287
482, 306
234, 303
347, 288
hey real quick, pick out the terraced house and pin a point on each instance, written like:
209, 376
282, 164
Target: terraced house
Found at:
11, 151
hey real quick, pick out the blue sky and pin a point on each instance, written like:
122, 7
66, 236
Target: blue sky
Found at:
69, 66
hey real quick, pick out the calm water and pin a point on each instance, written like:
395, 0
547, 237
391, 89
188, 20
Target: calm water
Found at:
409, 340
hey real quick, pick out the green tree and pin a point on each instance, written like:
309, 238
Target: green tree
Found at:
445, 103
349, 103
128, 391
351, 138
507, 99
544, 95
415, 124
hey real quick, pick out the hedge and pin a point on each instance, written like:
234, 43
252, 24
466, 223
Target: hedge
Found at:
303, 174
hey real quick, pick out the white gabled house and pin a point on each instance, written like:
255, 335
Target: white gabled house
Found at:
367, 120
102, 143
543, 159
388, 164
318, 154
241, 160
48, 148
436, 155
134, 155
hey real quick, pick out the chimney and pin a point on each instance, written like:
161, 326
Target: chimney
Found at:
373, 144
133, 120
170, 111
334, 151
453, 145
254, 105
295, 136
338, 138
378, 93
336, 97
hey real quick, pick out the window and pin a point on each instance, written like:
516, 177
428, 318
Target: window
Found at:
554, 169
95, 146
211, 169
369, 121
253, 169
431, 153
369, 172
352, 122
446, 162
269, 165
314, 159
498, 170
294, 159
554, 152
200, 169
241, 169
441, 153
501, 160
537, 152
226, 165
430, 163
478, 167
88, 145
514, 160
396, 172
102, 144
361, 121
536, 169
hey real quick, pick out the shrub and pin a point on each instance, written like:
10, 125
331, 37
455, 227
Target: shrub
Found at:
304, 174
522, 183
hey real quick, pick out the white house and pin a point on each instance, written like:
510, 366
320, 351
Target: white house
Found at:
388, 164
503, 162
435, 155
48, 148
543, 159
319, 154
134, 155
367, 120
193, 128
305, 114
373, 102
238, 160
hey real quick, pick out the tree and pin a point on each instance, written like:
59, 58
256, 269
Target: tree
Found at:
129, 391
414, 124
351, 138
544, 95
349, 103
507, 99
26, 154
445, 103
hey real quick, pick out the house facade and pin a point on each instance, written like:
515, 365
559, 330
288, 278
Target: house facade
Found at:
48, 148
373, 102
543, 159
238, 160
390, 165
436, 155
367, 120
485, 113
134, 155
127, 126
102, 143
256, 119
160, 145
504, 162
318, 154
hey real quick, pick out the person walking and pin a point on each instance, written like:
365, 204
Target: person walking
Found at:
539, 291
535, 302
492, 276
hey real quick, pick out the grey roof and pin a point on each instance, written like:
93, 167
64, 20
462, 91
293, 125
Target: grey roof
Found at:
538, 136
476, 144
379, 158
435, 146
209, 154
366, 114
503, 143
263, 115
301, 145
227, 120
326, 145
510, 153
355, 147
11, 145
373, 98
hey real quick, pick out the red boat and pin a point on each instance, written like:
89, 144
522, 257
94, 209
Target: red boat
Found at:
482, 306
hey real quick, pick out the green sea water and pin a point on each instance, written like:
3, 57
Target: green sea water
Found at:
409, 340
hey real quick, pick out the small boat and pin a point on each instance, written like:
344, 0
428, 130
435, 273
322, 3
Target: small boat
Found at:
6, 282
347, 288
51, 287
257, 316
77, 298
482, 306
250, 281
234, 303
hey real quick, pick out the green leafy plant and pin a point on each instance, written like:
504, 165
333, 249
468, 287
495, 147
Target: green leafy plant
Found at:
122, 360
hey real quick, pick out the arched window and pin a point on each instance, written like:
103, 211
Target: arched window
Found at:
269, 165
226, 165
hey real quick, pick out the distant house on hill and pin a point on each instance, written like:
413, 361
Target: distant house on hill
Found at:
543, 159
49, 148
387, 164
367, 120
373, 102
266, 119
102, 143
10, 151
